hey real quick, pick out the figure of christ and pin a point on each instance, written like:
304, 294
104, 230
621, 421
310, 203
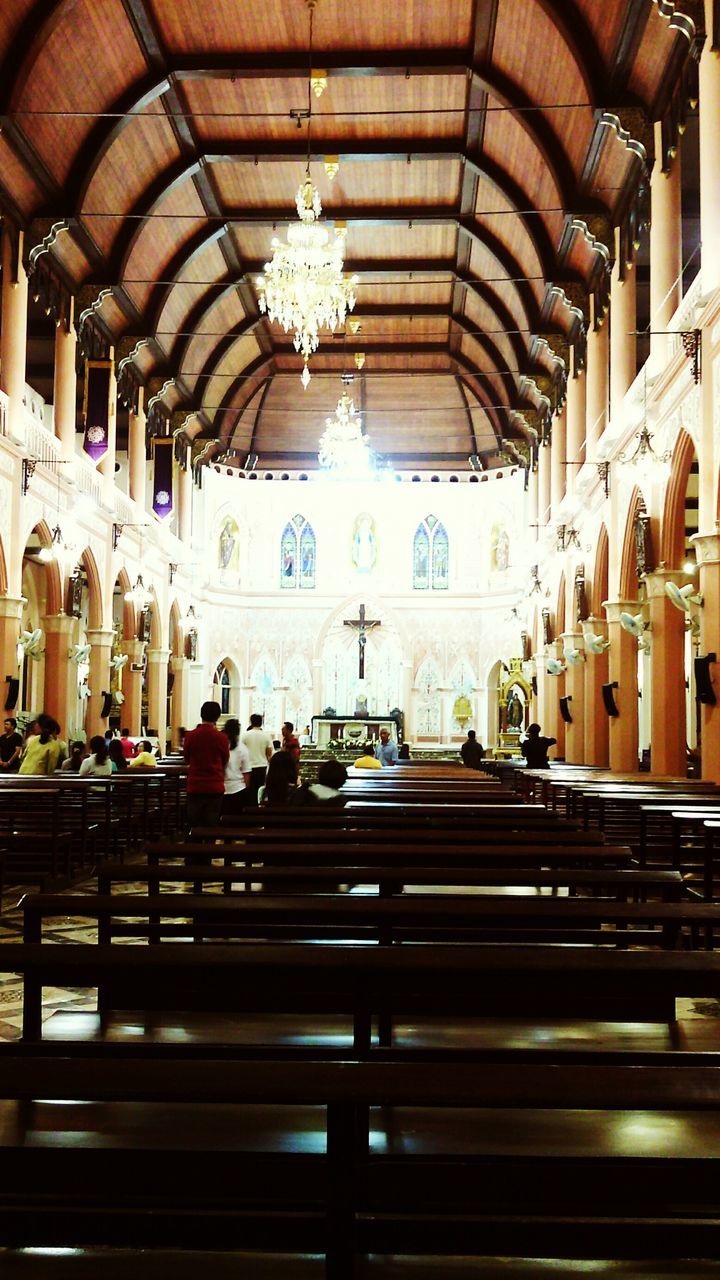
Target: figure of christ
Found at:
362, 625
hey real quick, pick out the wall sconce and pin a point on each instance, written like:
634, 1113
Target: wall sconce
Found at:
172, 570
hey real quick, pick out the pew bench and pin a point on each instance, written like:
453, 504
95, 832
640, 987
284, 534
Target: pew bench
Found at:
623, 885
353, 1158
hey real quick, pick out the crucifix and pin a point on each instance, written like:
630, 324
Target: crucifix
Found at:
362, 625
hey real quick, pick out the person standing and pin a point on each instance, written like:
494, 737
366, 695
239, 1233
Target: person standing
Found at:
535, 748
237, 771
42, 750
291, 744
127, 745
472, 752
260, 748
386, 751
206, 752
11, 745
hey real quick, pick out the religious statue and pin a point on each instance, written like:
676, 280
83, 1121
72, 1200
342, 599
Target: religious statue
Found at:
500, 553
227, 543
364, 552
191, 645
515, 710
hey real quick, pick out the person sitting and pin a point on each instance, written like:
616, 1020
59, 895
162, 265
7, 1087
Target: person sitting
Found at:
75, 759
404, 752
144, 758
117, 756
386, 751
535, 748
472, 752
366, 760
42, 751
332, 775
279, 780
98, 764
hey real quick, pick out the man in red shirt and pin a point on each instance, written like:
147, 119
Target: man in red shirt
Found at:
127, 746
206, 754
291, 744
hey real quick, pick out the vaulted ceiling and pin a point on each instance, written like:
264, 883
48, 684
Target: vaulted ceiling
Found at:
150, 149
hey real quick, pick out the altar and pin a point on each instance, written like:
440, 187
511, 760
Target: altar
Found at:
351, 730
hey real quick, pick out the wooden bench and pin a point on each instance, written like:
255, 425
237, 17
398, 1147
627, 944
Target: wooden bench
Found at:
355, 1158
403, 918
423, 979
623, 885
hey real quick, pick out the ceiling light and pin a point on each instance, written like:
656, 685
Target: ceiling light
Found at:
332, 168
359, 359
318, 81
343, 449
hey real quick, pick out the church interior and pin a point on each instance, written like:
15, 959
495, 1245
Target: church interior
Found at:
360, 369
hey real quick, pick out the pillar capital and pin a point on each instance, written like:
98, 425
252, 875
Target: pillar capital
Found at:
134, 648
11, 606
158, 656
98, 636
707, 547
655, 581
613, 608
59, 624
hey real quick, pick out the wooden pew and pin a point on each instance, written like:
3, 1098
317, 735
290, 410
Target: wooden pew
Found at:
623, 885
405, 918
455, 1158
452, 980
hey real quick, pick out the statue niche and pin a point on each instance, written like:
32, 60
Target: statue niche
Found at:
514, 694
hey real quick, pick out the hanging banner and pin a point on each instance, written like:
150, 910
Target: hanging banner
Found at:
163, 476
96, 407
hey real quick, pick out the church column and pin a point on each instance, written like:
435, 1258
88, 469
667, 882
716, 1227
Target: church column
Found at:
557, 461
65, 384
595, 672
318, 669
98, 679
184, 495
106, 465
665, 252
157, 672
178, 709
137, 451
555, 721
623, 323
575, 430
622, 667
707, 547
575, 691
709, 112
10, 615
597, 383
13, 332
667, 655
132, 686
543, 486
533, 499
60, 674
408, 705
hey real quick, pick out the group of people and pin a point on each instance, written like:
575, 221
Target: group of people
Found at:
534, 748
227, 770
42, 751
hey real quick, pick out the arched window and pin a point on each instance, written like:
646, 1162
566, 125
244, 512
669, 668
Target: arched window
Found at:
222, 689
430, 556
297, 555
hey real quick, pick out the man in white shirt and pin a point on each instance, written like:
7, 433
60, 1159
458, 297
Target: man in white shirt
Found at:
260, 748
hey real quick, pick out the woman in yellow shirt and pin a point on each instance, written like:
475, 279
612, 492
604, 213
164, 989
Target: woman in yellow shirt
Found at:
42, 752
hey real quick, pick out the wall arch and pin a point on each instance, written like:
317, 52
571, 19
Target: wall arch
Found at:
95, 600
672, 540
628, 562
599, 590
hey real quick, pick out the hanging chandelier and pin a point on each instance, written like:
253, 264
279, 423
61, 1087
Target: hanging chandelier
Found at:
304, 287
343, 448
139, 594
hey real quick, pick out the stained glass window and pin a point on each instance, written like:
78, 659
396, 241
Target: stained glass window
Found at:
430, 556
297, 555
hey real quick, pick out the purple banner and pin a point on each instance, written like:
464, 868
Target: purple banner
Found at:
163, 476
96, 407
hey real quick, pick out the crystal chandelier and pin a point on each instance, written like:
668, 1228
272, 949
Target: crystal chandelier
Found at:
304, 287
139, 594
343, 448
644, 458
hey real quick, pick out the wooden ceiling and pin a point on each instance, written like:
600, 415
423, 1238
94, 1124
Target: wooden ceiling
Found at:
487, 148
